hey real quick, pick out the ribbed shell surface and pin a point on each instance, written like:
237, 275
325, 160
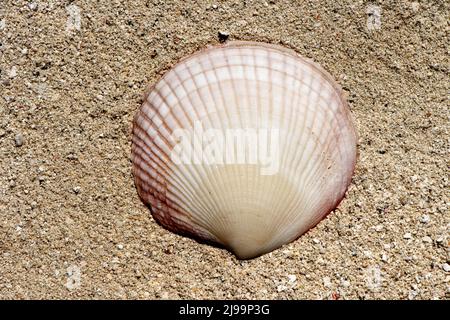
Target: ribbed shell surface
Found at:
245, 86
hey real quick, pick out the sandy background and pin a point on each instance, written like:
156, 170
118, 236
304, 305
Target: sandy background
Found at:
71, 223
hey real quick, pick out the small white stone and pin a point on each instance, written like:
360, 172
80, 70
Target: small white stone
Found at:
292, 278
77, 189
33, 6
2, 24
425, 218
345, 283
120, 246
384, 257
281, 288
13, 72
327, 282
446, 267
427, 239
407, 235
18, 140
316, 241
115, 260
379, 228
24, 51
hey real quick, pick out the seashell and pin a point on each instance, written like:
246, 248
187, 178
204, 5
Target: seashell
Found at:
246, 145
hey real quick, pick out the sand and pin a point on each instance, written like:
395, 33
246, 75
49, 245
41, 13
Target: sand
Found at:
72, 76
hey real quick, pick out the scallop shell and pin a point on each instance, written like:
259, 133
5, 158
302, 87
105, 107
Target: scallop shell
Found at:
248, 201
